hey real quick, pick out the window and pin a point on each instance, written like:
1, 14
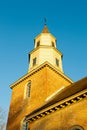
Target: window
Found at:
52, 44
57, 62
38, 43
76, 127
34, 61
24, 125
28, 88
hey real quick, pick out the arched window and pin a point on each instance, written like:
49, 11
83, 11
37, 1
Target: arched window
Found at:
34, 61
27, 90
76, 127
24, 125
38, 43
57, 62
52, 44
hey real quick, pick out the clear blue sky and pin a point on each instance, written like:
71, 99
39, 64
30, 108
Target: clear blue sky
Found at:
22, 20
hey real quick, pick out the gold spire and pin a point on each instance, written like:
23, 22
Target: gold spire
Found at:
45, 29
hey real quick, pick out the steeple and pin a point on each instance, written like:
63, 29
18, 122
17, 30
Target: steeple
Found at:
45, 51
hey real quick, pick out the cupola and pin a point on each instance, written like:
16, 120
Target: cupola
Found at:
45, 51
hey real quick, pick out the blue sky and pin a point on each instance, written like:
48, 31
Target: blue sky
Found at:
22, 20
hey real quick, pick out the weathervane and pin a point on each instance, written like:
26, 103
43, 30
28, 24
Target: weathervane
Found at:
45, 21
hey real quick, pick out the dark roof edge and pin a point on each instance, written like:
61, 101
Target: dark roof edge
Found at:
65, 93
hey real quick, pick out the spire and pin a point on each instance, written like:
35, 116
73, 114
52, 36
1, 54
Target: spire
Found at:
45, 29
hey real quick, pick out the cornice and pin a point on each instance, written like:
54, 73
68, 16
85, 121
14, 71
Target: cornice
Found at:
59, 72
32, 72
46, 47
58, 106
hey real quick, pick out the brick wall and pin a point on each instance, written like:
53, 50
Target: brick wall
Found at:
43, 83
75, 114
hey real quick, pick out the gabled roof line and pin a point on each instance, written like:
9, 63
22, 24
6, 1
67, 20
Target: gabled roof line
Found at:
45, 64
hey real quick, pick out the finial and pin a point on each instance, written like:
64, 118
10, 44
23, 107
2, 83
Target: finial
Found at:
45, 29
45, 20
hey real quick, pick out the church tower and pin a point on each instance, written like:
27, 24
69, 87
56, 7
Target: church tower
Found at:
45, 76
45, 50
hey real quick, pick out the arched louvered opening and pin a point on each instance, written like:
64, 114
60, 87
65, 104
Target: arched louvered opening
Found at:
76, 127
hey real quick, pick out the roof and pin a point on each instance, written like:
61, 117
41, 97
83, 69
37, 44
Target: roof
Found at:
63, 94
45, 29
